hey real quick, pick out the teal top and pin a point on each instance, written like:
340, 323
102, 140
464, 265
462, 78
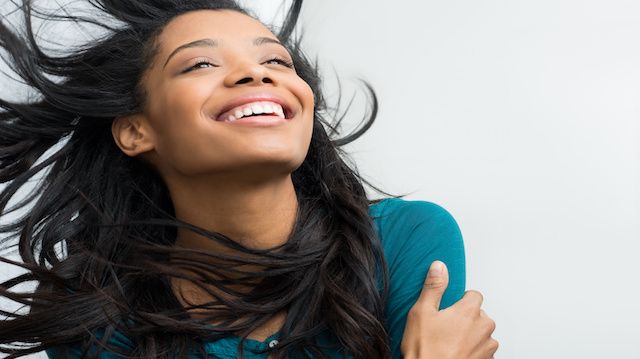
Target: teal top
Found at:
413, 235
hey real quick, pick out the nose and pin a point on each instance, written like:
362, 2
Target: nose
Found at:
248, 73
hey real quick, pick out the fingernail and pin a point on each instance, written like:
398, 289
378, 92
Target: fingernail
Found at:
436, 268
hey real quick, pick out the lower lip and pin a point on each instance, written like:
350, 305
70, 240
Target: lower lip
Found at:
261, 121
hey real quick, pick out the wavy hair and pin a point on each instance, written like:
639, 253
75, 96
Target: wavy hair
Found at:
97, 232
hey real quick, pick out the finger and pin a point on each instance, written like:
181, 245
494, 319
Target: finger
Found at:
488, 319
434, 285
492, 347
486, 349
472, 298
490, 325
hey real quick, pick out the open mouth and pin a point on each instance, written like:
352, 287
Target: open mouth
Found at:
254, 109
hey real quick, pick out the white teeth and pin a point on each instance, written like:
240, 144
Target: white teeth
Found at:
257, 109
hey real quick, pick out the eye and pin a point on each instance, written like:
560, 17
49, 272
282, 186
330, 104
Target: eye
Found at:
280, 61
199, 63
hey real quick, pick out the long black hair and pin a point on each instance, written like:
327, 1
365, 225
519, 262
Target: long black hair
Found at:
96, 234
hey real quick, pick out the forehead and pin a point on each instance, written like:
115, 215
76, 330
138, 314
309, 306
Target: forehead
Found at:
224, 26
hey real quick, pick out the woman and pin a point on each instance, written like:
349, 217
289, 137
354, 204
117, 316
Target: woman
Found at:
195, 205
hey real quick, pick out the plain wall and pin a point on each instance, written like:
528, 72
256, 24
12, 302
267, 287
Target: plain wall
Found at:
522, 118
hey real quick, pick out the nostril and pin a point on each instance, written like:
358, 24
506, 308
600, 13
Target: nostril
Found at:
244, 81
248, 79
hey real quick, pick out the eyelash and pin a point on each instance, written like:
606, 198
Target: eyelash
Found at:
199, 64
281, 61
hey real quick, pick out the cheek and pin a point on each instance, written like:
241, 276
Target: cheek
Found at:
177, 111
310, 112
306, 95
176, 115
184, 100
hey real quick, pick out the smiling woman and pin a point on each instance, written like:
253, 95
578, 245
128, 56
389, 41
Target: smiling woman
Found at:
235, 65
195, 203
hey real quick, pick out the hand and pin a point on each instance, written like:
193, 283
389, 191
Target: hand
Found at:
462, 331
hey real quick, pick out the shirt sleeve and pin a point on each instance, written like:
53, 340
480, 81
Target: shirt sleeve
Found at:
413, 235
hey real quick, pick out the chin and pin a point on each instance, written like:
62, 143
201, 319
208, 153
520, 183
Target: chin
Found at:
282, 155
282, 164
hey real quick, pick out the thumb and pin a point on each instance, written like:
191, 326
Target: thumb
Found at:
434, 285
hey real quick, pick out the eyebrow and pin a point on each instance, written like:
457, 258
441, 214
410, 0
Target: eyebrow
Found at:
258, 41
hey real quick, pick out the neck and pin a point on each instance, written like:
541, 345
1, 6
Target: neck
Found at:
258, 215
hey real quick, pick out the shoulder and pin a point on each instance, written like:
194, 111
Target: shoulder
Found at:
413, 223
413, 234
393, 211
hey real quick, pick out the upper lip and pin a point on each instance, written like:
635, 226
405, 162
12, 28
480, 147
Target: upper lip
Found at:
255, 97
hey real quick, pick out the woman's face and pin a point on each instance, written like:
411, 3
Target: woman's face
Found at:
224, 99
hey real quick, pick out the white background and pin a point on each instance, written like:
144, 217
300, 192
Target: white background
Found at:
522, 118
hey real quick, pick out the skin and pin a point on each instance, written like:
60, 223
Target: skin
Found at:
223, 177
231, 179
462, 331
